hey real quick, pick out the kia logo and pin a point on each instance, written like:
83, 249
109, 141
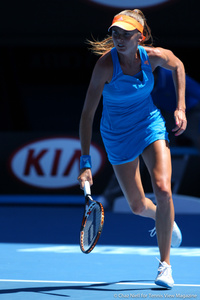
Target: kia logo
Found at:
52, 163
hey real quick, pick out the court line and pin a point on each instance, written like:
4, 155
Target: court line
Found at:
91, 282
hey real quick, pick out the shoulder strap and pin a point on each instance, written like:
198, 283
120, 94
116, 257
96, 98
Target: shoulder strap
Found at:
144, 58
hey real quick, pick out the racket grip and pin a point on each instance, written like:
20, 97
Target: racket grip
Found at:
87, 190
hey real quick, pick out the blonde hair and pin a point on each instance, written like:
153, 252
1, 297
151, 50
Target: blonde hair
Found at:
101, 47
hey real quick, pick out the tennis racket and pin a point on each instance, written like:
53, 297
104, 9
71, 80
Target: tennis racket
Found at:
92, 223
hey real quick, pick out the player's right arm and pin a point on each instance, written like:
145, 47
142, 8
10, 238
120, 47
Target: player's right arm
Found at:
102, 73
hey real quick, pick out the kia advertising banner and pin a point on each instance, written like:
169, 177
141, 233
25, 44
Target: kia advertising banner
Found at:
36, 163
51, 163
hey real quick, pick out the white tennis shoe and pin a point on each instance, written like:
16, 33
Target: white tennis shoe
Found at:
164, 277
176, 235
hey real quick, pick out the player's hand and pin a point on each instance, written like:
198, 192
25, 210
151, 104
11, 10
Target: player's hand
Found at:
180, 121
85, 175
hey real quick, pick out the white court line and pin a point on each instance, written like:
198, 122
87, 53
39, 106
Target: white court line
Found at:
90, 282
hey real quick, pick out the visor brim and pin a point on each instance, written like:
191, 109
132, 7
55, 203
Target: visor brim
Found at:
123, 25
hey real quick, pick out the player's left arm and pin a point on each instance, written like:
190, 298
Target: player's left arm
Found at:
166, 59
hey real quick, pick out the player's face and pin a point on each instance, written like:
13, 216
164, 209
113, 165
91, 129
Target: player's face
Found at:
125, 40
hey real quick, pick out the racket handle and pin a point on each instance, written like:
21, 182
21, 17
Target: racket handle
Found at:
87, 190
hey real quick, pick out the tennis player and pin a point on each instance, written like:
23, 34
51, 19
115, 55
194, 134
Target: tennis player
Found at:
131, 124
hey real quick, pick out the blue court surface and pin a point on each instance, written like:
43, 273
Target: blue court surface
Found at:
41, 257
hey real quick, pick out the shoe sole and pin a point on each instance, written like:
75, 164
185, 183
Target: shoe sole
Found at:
164, 284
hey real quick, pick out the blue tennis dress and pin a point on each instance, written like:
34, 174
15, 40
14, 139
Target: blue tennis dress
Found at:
130, 121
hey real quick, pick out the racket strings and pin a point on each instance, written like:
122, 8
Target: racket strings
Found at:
92, 227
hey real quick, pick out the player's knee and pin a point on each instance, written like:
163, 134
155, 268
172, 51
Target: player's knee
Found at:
163, 191
138, 208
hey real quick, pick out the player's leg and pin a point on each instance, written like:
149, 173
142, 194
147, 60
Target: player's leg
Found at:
158, 161
128, 176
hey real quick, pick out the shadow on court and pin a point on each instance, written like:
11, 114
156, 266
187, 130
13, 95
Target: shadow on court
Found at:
98, 287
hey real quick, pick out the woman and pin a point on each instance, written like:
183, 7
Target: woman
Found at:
131, 125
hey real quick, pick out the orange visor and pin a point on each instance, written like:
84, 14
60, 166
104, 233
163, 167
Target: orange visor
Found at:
126, 23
